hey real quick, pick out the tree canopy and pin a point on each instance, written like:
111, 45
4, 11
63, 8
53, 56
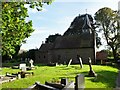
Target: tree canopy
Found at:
108, 21
15, 29
51, 38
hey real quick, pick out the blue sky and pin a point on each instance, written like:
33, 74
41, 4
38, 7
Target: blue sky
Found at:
57, 17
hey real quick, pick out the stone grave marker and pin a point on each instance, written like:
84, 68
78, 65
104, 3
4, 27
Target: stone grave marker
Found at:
31, 63
64, 81
79, 82
69, 62
22, 67
80, 61
91, 72
69, 86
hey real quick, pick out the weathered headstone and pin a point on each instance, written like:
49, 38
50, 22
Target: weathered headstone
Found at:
31, 63
79, 82
69, 86
26, 60
80, 61
22, 67
91, 72
19, 76
56, 64
69, 62
64, 81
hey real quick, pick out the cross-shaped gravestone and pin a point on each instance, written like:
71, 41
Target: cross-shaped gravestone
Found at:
31, 63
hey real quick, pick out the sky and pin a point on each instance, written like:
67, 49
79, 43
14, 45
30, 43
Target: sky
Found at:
57, 17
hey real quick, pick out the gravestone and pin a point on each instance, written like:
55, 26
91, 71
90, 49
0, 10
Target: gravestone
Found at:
69, 86
26, 60
31, 63
64, 81
80, 61
91, 72
79, 82
69, 62
22, 67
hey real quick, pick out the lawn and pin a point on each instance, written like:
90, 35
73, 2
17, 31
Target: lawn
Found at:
106, 76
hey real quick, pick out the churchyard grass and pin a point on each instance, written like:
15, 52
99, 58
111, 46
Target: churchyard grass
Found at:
106, 76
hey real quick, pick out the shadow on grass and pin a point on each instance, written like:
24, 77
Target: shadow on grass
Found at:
105, 77
70, 67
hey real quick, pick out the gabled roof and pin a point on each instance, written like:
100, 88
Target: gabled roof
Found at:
87, 22
80, 23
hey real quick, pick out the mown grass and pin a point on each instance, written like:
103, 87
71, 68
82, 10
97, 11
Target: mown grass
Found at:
106, 76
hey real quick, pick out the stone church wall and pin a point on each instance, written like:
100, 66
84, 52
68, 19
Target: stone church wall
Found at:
64, 55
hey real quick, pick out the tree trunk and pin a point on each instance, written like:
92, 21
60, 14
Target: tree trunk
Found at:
114, 54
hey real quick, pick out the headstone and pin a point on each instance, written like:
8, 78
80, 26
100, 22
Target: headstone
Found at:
22, 67
69, 62
80, 61
64, 81
21, 59
44, 87
56, 64
19, 76
69, 86
79, 82
31, 63
91, 72
26, 60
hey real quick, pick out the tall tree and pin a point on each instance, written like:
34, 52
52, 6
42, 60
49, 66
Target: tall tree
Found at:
108, 24
14, 27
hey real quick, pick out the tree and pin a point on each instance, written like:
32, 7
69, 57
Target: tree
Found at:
109, 24
14, 27
51, 38
98, 40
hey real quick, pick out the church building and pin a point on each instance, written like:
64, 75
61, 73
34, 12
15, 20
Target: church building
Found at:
78, 40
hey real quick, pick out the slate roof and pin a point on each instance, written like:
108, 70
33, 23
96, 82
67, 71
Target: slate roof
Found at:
81, 22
